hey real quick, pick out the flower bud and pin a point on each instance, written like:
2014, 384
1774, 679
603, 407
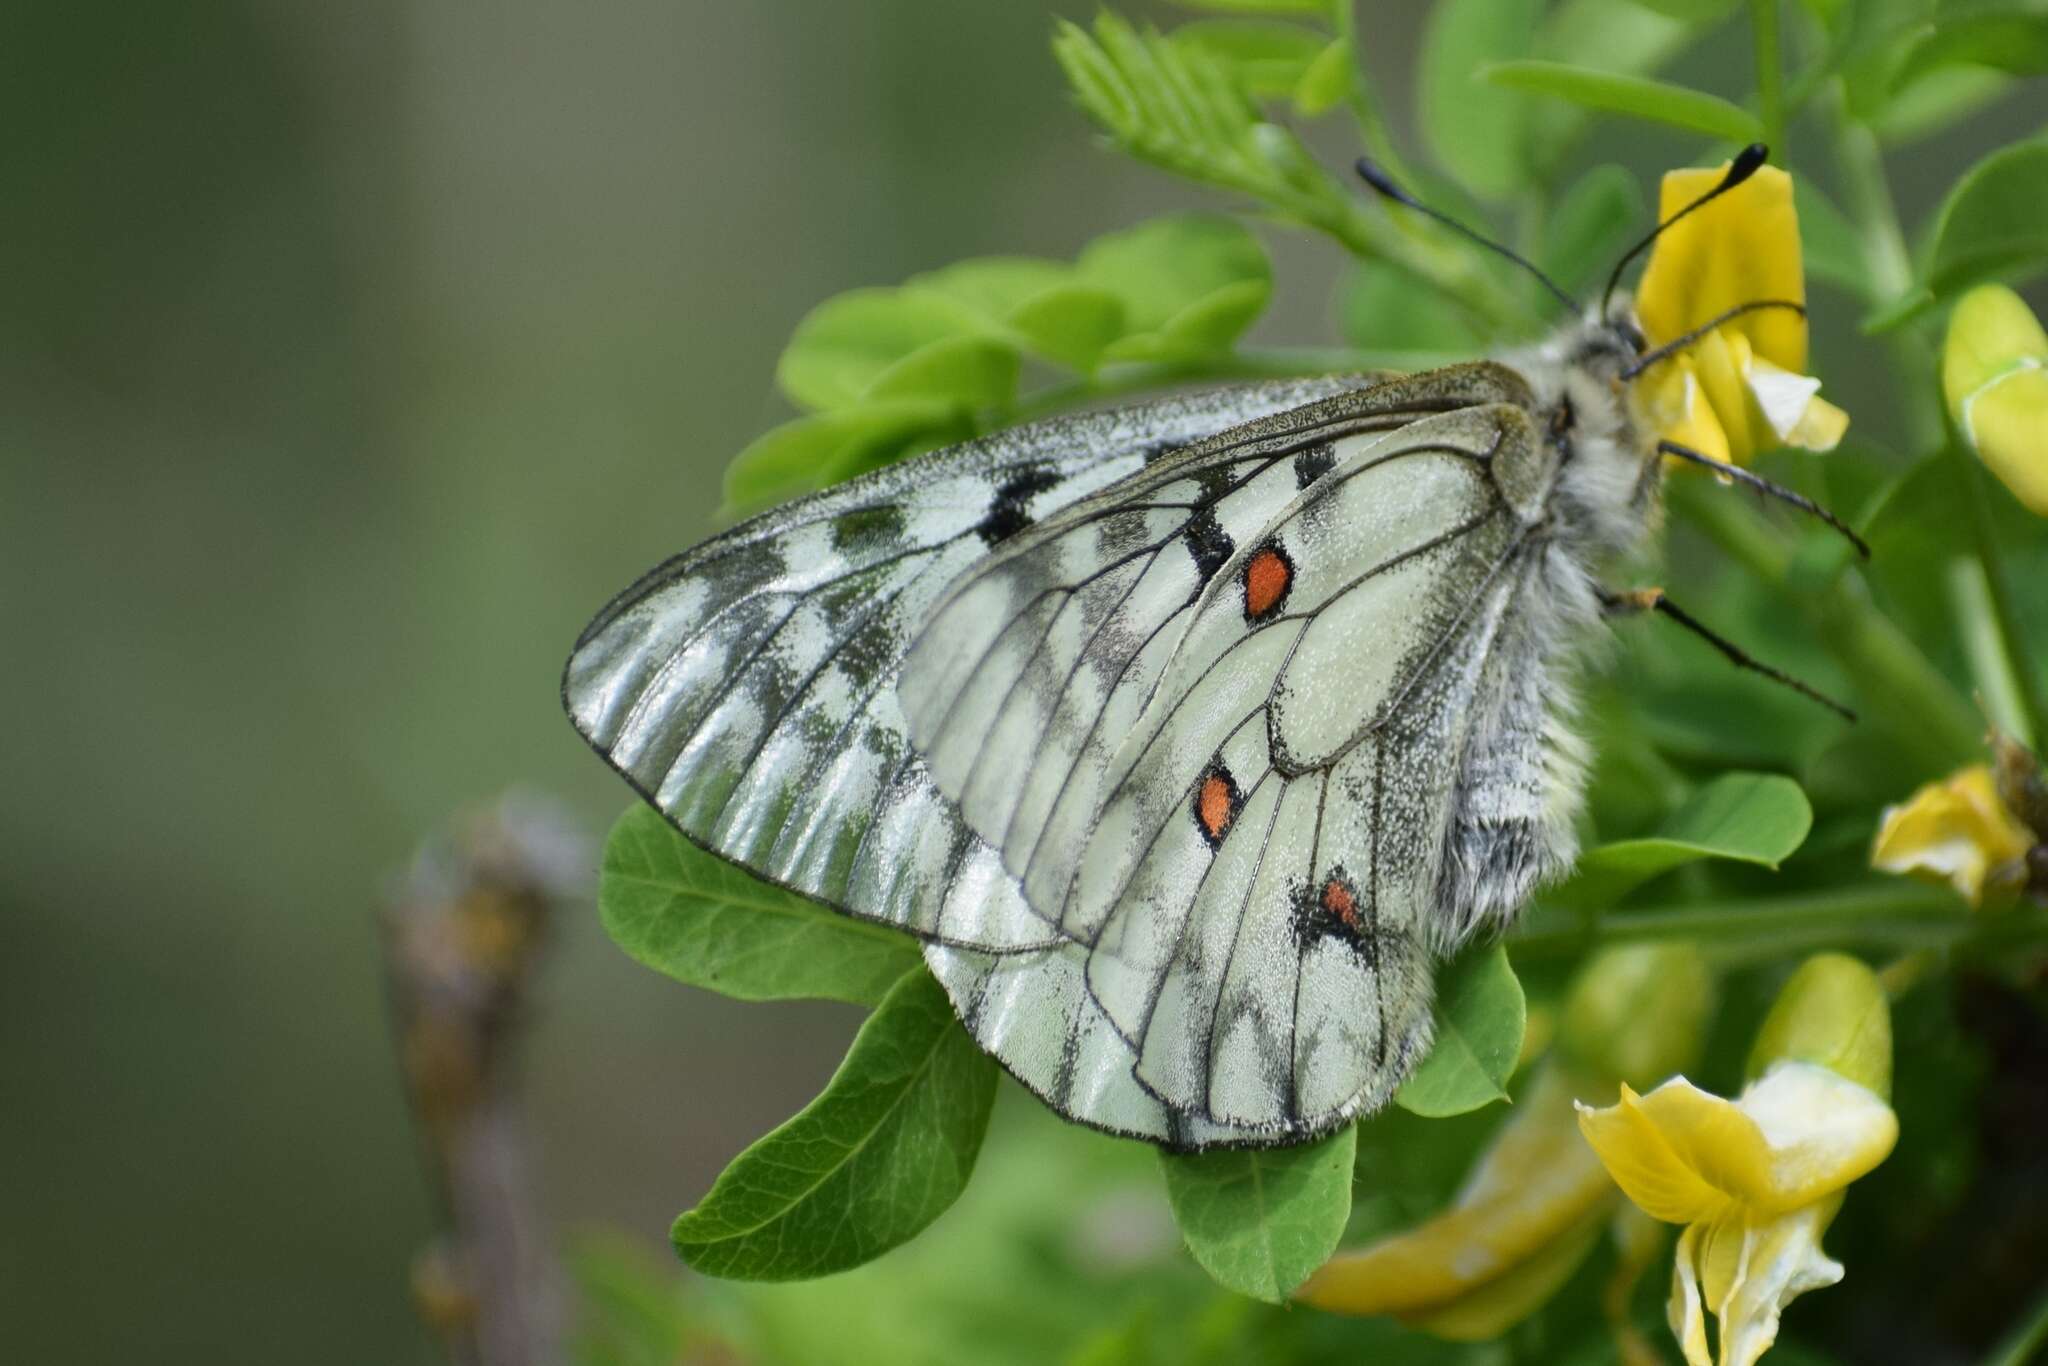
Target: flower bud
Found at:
1639, 1014
1833, 1013
1994, 372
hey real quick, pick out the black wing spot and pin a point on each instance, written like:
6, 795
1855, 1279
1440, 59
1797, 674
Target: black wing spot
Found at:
1010, 512
1313, 463
1209, 544
879, 527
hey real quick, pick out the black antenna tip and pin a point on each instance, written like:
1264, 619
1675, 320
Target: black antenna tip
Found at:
1369, 171
1747, 163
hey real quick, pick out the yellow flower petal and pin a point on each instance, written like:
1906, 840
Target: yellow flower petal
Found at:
1742, 247
1679, 411
1536, 1184
1721, 360
1781, 1261
1792, 409
1833, 1012
1688, 1318
1655, 1156
1502, 1303
1822, 1131
1994, 373
1955, 831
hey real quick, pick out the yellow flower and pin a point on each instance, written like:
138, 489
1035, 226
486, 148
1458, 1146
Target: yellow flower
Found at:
1529, 1213
1994, 370
1955, 831
1741, 388
1535, 1204
1757, 1180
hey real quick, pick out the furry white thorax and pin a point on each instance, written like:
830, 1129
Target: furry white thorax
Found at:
1603, 505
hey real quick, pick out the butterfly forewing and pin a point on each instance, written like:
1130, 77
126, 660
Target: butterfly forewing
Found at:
747, 687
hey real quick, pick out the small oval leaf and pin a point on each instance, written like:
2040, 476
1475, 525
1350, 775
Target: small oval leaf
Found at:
1071, 325
703, 921
972, 372
1260, 1220
1480, 1016
1759, 818
1635, 96
808, 453
844, 344
1994, 222
1326, 81
866, 1166
1165, 266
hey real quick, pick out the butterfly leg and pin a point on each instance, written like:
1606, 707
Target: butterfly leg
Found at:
1636, 601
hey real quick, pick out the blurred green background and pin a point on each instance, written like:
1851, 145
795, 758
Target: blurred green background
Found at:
350, 357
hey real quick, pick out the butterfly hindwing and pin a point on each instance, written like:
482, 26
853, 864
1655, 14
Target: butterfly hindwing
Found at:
1254, 877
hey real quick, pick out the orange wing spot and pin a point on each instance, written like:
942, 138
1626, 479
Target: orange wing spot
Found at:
1216, 805
1339, 901
1267, 577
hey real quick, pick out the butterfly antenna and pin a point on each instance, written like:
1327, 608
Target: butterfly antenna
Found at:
1653, 600
1677, 344
1370, 172
1736, 474
1746, 164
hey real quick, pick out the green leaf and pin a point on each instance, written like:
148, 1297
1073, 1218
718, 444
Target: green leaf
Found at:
1594, 222
1759, 818
864, 1167
1189, 284
1994, 222
1480, 1016
1382, 309
1477, 131
1635, 96
1165, 265
1268, 58
1321, 7
811, 452
703, 921
1071, 325
1828, 241
844, 344
973, 372
1326, 82
991, 288
1260, 1220
2012, 41
1937, 102
1204, 328
1691, 11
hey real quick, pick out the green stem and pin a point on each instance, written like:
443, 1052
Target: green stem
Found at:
1896, 912
2003, 644
1770, 74
1886, 254
1372, 127
2017, 1348
1901, 690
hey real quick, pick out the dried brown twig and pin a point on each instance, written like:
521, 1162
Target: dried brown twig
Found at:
464, 930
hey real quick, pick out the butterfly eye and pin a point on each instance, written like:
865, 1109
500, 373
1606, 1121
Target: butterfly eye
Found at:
1268, 574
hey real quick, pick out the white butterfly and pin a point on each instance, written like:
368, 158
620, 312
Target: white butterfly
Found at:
1186, 736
